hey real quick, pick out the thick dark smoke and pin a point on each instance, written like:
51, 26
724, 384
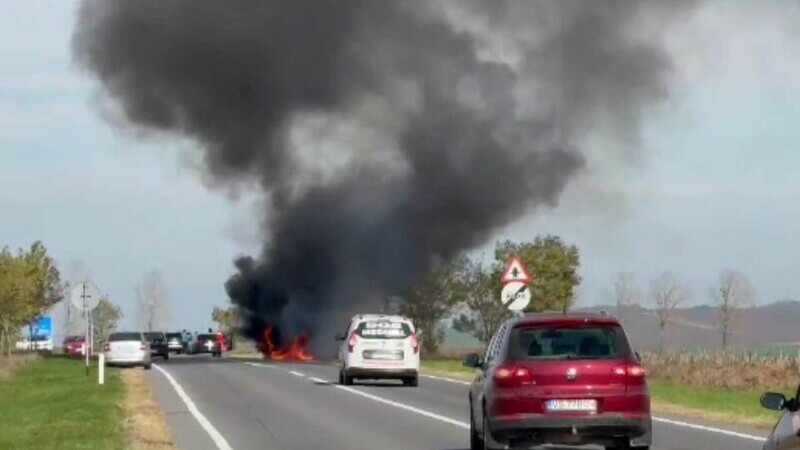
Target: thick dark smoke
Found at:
386, 136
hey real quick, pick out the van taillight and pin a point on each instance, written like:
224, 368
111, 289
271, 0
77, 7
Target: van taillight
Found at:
106, 347
143, 346
351, 343
415, 343
511, 376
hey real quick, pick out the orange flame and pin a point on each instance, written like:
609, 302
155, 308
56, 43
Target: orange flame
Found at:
295, 351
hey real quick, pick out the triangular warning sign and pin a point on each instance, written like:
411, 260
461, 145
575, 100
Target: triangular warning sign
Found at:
515, 271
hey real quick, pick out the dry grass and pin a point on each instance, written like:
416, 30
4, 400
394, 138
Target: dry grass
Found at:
145, 424
8, 364
724, 370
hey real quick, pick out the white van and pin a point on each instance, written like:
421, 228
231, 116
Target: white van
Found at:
378, 346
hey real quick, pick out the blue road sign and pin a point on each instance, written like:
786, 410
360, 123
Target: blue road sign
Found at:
43, 327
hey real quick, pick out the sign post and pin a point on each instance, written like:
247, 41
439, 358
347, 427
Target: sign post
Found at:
85, 297
515, 295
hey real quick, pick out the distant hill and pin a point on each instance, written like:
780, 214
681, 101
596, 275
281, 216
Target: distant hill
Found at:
695, 328
766, 326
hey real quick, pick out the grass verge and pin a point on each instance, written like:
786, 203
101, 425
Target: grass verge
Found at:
51, 404
144, 423
728, 405
738, 406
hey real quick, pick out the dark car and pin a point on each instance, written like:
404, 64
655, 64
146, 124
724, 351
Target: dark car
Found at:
158, 344
208, 343
786, 434
564, 379
175, 343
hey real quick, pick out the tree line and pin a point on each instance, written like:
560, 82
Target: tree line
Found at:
471, 289
730, 295
30, 284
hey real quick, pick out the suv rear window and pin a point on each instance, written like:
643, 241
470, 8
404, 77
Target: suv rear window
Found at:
206, 337
173, 336
154, 336
115, 337
73, 339
584, 342
383, 329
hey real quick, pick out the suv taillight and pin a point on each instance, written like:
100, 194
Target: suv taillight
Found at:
351, 342
511, 376
143, 346
415, 343
631, 370
106, 347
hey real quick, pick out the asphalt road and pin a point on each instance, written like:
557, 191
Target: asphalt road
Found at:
221, 404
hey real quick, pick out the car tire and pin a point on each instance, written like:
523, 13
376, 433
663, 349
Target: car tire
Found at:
487, 442
475, 439
411, 382
148, 366
626, 446
347, 380
166, 356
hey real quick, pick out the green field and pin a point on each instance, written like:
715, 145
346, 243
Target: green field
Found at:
732, 405
51, 404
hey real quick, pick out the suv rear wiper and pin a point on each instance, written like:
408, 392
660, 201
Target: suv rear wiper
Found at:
576, 356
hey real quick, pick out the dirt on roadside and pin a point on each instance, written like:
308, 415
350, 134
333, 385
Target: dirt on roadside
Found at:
144, 423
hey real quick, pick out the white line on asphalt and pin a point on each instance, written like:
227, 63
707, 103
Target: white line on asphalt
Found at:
711, 429
215, 435
266, 366
297, 374
466, 425
449, 380
421, 412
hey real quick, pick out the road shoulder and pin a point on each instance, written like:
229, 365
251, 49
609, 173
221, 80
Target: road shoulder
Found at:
145, 423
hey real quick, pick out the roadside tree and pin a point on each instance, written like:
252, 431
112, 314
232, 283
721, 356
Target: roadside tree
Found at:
732, 294
666, 294
152, 300
554, 266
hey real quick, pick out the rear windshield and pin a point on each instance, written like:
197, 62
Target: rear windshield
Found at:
383, 329
125, 337
206, 337
74, 339
173, 336
152, 336
585, 342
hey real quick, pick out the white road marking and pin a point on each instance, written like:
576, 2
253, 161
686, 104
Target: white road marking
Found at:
421, 412
709, 429
297, 374
449, 380
215, 435
266, 366
466, 425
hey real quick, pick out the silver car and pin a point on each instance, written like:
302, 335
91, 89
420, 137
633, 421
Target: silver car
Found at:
127, 349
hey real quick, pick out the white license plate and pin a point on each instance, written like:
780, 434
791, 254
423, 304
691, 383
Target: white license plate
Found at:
572, 405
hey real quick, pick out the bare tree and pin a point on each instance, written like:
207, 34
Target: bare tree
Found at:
626, 294
732, 293
72, 320
152, 299
667, 295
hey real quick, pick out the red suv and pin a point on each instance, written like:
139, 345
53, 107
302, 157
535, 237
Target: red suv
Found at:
565, 379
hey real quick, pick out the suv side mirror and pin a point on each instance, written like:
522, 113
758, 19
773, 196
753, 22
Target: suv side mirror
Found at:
775, 401
472, 360
339, 336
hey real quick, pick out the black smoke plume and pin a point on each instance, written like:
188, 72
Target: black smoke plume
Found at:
386, 136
